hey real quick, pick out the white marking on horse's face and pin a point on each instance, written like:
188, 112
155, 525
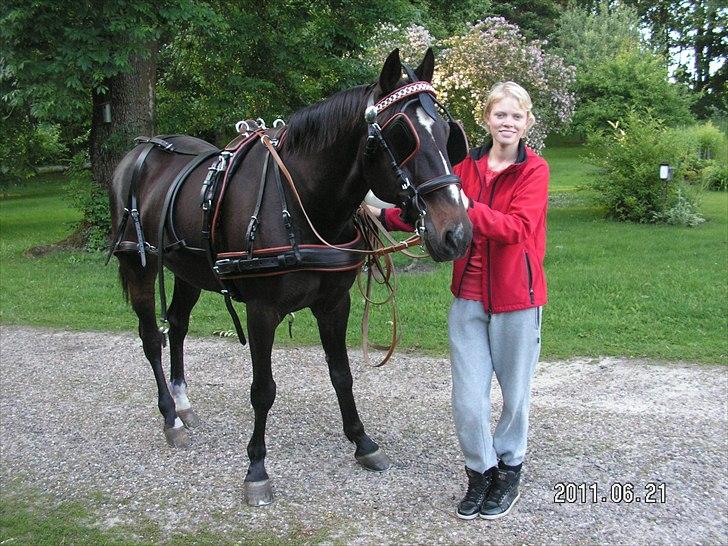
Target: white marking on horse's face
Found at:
179, 393
454, 194
427, 122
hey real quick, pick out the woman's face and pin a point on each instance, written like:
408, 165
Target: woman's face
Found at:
507, 121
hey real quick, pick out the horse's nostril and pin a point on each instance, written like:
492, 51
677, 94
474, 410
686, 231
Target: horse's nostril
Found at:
450, 239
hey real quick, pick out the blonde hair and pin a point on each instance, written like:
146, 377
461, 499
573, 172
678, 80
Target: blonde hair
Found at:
502, 90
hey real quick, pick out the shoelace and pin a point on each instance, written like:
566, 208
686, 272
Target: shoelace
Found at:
476, 490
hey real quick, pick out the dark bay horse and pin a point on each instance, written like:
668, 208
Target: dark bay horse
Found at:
335, 156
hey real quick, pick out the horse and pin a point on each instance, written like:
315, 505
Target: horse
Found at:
333, 153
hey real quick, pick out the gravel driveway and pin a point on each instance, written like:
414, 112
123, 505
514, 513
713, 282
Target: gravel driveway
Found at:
79, 422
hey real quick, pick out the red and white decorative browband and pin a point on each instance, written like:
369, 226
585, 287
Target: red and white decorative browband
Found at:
402, 93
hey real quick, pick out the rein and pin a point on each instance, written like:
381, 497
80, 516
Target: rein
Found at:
395, 247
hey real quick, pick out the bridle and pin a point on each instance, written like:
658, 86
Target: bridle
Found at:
409, 197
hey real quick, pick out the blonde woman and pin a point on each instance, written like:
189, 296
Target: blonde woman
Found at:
499, 289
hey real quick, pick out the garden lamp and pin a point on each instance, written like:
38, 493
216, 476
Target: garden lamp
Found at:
665, 172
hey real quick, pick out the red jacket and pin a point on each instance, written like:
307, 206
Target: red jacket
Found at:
509, 225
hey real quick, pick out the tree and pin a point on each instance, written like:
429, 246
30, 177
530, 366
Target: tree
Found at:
536, 18
699, 28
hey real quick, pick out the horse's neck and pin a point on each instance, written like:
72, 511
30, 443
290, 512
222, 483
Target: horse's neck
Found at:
330, 184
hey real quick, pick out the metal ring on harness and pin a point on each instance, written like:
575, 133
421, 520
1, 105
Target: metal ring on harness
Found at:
278, 123
239, 125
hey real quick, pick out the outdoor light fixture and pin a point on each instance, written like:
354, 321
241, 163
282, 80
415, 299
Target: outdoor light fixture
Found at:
106, 112
665, 171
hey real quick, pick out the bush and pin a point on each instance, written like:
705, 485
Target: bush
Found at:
93, 202
629, 156
683, 213
708, 141
707, 163
715, 176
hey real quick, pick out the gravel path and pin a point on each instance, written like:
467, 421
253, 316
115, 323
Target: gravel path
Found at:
79, 421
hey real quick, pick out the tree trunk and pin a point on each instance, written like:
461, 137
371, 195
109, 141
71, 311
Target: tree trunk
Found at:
131, 99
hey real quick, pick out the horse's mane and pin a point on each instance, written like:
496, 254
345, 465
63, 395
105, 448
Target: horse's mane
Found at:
321, 125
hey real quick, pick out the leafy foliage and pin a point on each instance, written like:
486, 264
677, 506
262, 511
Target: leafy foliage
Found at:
91, 200
699, 28
629, 156
615, 72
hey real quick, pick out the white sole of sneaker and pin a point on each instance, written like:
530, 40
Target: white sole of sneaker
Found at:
496, 516
461, 516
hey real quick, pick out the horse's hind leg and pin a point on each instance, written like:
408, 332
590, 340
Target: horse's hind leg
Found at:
183, 300
262, 321
332, 321
139, 284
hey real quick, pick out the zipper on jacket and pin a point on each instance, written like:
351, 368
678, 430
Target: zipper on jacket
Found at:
530, 278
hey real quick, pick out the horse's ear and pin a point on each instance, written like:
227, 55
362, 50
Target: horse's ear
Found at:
427, 66
391, 72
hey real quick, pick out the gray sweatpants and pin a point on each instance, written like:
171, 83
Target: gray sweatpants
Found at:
509, 344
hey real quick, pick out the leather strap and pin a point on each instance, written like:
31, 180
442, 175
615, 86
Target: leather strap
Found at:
165, 220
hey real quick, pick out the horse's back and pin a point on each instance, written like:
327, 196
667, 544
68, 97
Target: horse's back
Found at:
157, 161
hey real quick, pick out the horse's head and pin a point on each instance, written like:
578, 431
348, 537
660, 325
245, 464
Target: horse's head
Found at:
408, 155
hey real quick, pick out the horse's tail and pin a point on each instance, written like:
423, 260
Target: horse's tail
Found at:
124, 285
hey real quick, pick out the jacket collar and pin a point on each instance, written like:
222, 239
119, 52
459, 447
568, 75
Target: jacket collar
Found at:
480, 152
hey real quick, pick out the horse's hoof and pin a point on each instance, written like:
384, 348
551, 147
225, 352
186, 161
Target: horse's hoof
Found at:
177, 437
258, 493
189, 418
377, 461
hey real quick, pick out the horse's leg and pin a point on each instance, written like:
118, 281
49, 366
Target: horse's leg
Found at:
139, 284
183, 300
332, 321
262, 322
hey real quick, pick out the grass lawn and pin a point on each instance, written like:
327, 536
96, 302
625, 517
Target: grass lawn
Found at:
614, 289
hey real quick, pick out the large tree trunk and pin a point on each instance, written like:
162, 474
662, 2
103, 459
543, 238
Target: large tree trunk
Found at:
131, 97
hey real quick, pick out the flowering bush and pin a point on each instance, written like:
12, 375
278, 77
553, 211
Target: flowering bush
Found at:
494, 50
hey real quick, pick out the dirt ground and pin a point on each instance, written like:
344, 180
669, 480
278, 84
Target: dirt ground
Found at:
78, 421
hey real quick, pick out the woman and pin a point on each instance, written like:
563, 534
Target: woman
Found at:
499, 288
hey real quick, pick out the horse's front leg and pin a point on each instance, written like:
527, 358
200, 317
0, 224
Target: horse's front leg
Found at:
332, 318
262, 322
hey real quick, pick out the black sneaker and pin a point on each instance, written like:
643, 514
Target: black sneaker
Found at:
502, 495
478, 485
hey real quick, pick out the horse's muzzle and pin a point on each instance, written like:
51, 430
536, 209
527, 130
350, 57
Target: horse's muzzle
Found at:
450, 242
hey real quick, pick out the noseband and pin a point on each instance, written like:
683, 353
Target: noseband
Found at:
409, 197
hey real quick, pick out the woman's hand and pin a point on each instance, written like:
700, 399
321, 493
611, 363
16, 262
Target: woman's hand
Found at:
376, 211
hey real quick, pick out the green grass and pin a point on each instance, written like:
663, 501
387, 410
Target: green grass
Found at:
30, 518
614, 289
